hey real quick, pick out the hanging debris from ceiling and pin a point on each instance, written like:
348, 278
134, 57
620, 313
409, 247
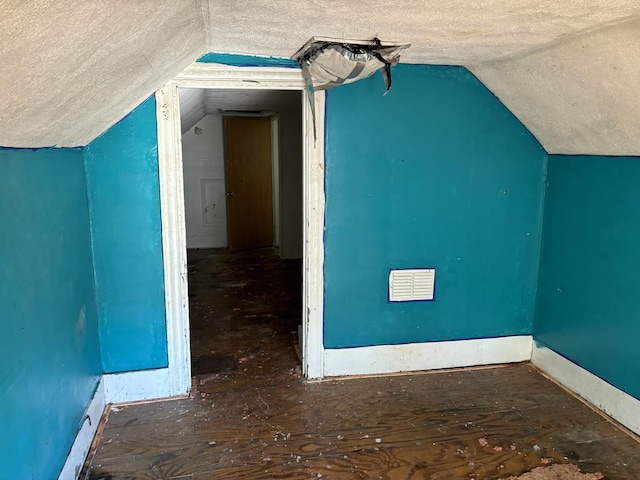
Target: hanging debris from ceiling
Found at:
330, 62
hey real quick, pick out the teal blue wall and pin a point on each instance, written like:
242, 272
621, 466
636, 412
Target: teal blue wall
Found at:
124, 202
50, 351
240, 60
588, 306
438, 173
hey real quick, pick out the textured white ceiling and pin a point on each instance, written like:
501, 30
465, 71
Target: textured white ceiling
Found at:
70, 69
457, 32
191, 107
577, 96
566, 68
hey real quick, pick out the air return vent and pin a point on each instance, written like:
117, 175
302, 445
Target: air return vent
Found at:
411, 285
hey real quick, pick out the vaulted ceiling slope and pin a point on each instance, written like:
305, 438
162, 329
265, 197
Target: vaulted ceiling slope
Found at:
568, 69
579, 95
70, 69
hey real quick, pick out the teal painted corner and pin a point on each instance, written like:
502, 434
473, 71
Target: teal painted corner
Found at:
124, 204
588, 301
239, 60
50, 348
438, 173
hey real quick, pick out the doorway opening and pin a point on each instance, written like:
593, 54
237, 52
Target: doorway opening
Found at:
176, 378
242, 154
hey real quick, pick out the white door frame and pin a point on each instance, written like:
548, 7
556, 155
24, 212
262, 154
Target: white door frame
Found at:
203, 75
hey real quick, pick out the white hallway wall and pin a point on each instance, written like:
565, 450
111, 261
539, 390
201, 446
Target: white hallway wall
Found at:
291, 183
205, 198
204, 190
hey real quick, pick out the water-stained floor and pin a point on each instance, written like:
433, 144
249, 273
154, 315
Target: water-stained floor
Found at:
261, 420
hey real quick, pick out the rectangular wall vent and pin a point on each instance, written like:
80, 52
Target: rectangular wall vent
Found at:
411, 285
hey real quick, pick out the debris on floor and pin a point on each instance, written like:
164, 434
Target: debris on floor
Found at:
263, 420
558, 472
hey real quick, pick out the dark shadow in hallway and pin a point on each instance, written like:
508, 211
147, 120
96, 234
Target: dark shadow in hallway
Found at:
246, 304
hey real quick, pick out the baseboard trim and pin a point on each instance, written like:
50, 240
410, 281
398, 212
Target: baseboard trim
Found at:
84, 438
426, 356
113, 388
136, 386
614, 402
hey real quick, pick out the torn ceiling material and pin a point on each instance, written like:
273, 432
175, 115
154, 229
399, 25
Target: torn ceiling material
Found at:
329, 62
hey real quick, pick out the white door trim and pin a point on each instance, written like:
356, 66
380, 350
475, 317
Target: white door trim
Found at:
202, 75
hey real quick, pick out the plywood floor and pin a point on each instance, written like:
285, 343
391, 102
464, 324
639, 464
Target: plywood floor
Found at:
263, 421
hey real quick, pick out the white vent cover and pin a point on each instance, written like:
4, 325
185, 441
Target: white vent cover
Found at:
411, 285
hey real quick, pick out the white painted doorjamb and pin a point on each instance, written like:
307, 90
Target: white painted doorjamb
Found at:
313, 237
204, 75
174, 239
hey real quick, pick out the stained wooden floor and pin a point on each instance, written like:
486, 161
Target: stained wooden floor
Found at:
264, 422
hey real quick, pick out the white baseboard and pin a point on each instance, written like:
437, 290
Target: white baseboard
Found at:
84, 438
604, 396
113, 388
426, 356
136, 386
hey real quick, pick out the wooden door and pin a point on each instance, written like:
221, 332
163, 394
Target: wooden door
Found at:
247, 143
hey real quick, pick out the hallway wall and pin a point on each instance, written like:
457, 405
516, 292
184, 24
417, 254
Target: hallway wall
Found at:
50, 364
204, 184
291, 200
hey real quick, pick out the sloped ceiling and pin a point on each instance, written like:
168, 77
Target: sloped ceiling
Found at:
195, 103
191, 107
566, 68
581, 95
72, 68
